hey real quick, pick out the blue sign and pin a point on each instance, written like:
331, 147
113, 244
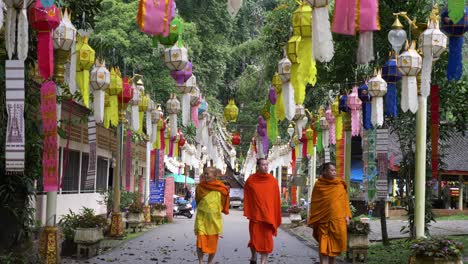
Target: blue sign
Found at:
156, 192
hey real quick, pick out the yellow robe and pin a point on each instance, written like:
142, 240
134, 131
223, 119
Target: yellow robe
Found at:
208, 222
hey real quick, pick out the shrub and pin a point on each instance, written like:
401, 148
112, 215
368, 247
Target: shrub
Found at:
437, 247
357, 227
136, 208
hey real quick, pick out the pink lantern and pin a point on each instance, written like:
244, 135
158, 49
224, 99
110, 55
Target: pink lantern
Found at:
355, 105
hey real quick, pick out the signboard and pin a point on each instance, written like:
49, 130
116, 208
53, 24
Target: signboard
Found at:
156, 192
169, 197
382, 189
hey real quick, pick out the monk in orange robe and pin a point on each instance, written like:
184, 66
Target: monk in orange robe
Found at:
212, 198
329, 214
262, 206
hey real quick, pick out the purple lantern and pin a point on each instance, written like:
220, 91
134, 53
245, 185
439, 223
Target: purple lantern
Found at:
272, 95
183, 75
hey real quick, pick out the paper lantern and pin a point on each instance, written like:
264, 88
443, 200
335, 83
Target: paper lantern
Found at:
335, 109
284, 71
331, 125
355, 106
195, 101
202, 108
455, 31
236, 139
433, 43
44, 20
377, 89
116, 84
324, 125
321, 33
85, 60
173, 108
181, 76
231, 111
176, 58
175, 31
188, 86
126, 94
99, 81
343, 103
154, 17
391, 75
365, 97
65, 34
148, 118
397, 36
409, 64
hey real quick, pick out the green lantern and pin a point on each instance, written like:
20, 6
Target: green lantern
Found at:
176, 29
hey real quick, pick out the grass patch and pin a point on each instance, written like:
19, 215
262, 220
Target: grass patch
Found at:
399, 251
460, 216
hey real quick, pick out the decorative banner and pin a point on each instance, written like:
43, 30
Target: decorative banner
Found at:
382, 158
169, 197
435, 129
92, 161
16, 32
371, 165
50, 144
15, 140
153, 164
128, 159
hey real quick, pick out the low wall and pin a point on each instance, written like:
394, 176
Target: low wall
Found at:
447, 212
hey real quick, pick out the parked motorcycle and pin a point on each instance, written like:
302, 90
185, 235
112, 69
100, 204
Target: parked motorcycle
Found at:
183, 208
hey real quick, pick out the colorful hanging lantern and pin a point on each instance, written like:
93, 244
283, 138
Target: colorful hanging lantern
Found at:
182, 139
125, 95
433, 43
115, 87
186, 88
85, 61
391, 75
175, 32
176, 58
231, 111
236, 139
262, 133
65, 34
156, 115
343, 104
135, 102
300, 118
284, 71
397, 36
65, 42
455, 32
272, 125
277, 84
154, 17
181, 76
331, 126
355, 105
195, 101
44, 20
202, 108
148, 118
100, 81
16, 32
338, 119
365, 97
142, 108
324, 125
409, 64
173, 108
377, 89
321, 33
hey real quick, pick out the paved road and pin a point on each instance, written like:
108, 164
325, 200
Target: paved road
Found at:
175, 243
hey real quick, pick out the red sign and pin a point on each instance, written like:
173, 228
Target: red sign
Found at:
169, 197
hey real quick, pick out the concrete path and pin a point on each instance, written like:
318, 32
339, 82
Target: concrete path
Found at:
175, 243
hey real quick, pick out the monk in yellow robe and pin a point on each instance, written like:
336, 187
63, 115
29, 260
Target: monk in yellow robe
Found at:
262, 206
329, 214
212, 198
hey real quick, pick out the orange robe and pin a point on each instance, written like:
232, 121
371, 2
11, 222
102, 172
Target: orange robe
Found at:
205, 229
262, 206
328, 211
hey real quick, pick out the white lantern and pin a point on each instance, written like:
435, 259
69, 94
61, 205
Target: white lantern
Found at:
397, 36
409, 64
176, 57
135, 102
377, 89
173, 108
65, 33
284, 71
99, 81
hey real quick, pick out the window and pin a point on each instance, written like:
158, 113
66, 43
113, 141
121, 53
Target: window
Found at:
101, 183
87, 181
71, 171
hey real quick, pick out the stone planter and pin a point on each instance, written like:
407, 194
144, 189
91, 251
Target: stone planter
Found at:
357, 241
160, 213
135, 220
429, 260
88, 235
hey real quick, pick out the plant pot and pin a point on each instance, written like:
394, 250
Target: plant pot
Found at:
87, 235
161, 213
357, 240
295, 218
135, 218
432, 260
68, 248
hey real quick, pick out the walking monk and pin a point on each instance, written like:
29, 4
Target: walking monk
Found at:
212, 198
329, 214
262, 206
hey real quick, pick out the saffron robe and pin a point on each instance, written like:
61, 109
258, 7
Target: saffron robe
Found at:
212, 199
262, 206
328, 211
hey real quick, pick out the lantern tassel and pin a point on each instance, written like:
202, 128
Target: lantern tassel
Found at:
154, 134
325, 138
272, 124
331, 126
2, 6
366, 115
72, 71
23, 46
455, 65
107, 117
435, 130
307, 71
365, 52
114, 110
426, 73
355, 122
409, 94
321, 35
288, 97
280, 109
377, 111
99, 106
195, 116
173, 124
45, 54
135, 118
339, 127
391, 108
82, 79
320, 141
185, 104
10, 35
140, 122
149, 124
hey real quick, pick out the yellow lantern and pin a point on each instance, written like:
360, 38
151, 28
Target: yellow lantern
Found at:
231, 111
302, 21
85, 61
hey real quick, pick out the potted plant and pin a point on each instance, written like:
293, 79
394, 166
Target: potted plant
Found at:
159, 212
295, 214
90, 227
437, 250
358, 232
68, 224
135, 215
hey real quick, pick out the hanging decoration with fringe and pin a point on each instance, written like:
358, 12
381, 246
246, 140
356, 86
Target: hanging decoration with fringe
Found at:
16, 27
365, 97
310, 141
273, 121
128, 159
231, 111
305, 72
368, 19
331, 125
154, 17
136, 99
377, 89
284, 70
195, 101
324, 125
433, 43
320, 136
391, 75
100, 81
409, 64
186, 89
455, 31
371, 164
340, 156
435, 130
173, 108
2, 7
355, 106
262, 132
344, 17
304, 142
176, 29
85, 61
338, 119
50, 142
115, 87
322, 40
277, 84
